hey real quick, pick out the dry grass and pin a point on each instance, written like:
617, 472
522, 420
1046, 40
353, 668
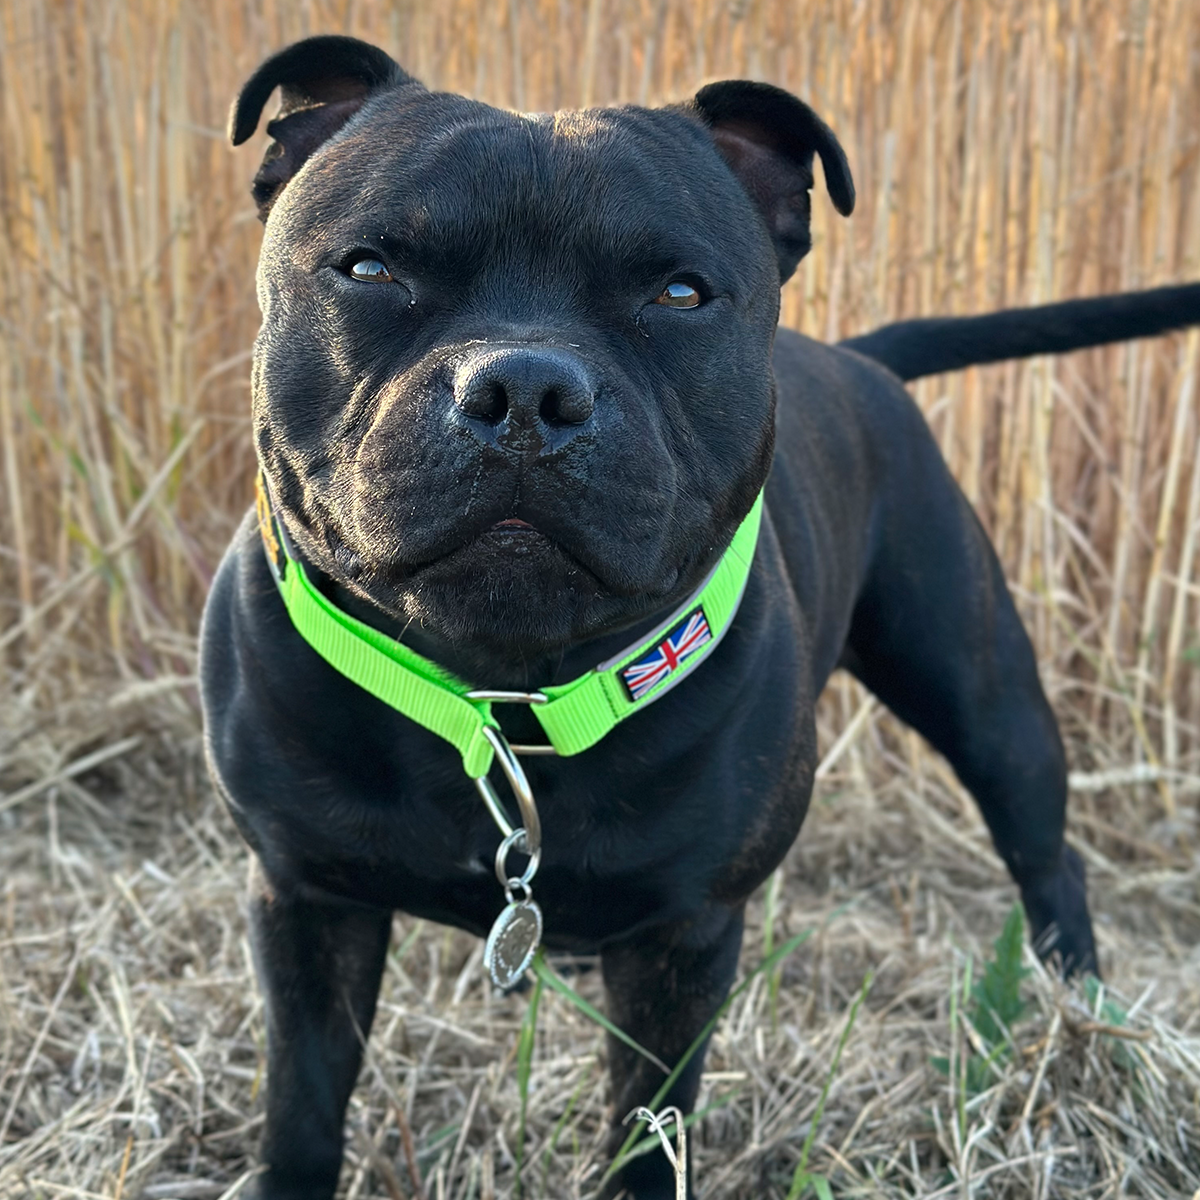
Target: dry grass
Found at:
1005, 153
132, 1042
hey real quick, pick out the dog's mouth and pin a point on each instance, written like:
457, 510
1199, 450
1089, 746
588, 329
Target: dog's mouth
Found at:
513, 547
518, 584
543, 567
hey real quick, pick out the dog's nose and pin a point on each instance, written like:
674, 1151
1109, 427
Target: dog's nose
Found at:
516, 390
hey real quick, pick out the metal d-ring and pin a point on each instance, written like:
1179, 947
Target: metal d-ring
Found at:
492, 801
519, 782
533, 699
500, 697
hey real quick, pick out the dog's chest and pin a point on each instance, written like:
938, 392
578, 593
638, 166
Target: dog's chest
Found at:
614, 857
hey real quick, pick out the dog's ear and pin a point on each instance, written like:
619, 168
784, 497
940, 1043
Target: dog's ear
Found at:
768, 138
323, 82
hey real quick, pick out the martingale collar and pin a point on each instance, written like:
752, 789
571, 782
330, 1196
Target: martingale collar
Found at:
574, 715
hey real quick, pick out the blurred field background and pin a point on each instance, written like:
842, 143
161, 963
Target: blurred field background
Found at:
1006, 152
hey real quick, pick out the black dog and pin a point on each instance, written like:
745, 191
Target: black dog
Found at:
518, 383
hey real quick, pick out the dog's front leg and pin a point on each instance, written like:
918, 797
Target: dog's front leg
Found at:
319, 963
664, 985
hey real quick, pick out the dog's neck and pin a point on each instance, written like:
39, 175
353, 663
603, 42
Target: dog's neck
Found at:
486, 667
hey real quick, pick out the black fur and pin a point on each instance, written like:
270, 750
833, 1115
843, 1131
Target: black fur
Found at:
322, 82
927, 346
768, 138
516, 366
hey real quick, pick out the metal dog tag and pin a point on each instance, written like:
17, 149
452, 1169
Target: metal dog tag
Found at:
517, 933
513, 942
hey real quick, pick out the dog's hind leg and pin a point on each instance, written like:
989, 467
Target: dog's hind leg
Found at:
935, 636
319, 965
664, 985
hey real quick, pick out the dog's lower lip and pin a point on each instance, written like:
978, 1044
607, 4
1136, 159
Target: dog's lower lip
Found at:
512, 523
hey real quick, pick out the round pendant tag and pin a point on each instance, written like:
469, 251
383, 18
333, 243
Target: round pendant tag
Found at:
512, 943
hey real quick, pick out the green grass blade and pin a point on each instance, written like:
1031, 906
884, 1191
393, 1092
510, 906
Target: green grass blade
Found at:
525, 1045
821, 1187
545, 974
556, 1133
801, 1178
818, 1183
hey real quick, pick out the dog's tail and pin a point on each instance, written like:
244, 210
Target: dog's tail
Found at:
912, 349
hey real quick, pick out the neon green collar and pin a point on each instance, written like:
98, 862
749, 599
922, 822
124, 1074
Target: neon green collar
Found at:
574, 715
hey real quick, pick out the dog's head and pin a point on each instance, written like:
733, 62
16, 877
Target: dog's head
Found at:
513, 379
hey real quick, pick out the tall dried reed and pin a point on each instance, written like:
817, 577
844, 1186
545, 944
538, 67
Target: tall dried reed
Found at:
1005, 153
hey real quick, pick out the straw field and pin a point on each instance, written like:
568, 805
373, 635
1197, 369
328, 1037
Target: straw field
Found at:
1006, 152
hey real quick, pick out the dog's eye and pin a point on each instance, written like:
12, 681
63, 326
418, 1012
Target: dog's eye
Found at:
678, 294
371, 270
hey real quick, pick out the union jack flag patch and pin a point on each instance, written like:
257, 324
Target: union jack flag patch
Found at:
655, 665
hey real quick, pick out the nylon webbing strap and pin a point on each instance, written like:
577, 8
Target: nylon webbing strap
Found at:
390, 671
577, 715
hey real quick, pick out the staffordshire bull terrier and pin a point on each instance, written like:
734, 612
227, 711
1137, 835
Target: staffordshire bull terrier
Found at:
533, 453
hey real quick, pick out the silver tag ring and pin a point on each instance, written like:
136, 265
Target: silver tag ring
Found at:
519, 842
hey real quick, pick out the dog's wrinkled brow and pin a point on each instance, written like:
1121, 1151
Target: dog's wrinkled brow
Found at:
466, 246
451, 216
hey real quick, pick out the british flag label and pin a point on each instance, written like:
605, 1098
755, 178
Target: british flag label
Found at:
659, 663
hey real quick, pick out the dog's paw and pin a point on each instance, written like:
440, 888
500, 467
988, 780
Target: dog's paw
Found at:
1059, 922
